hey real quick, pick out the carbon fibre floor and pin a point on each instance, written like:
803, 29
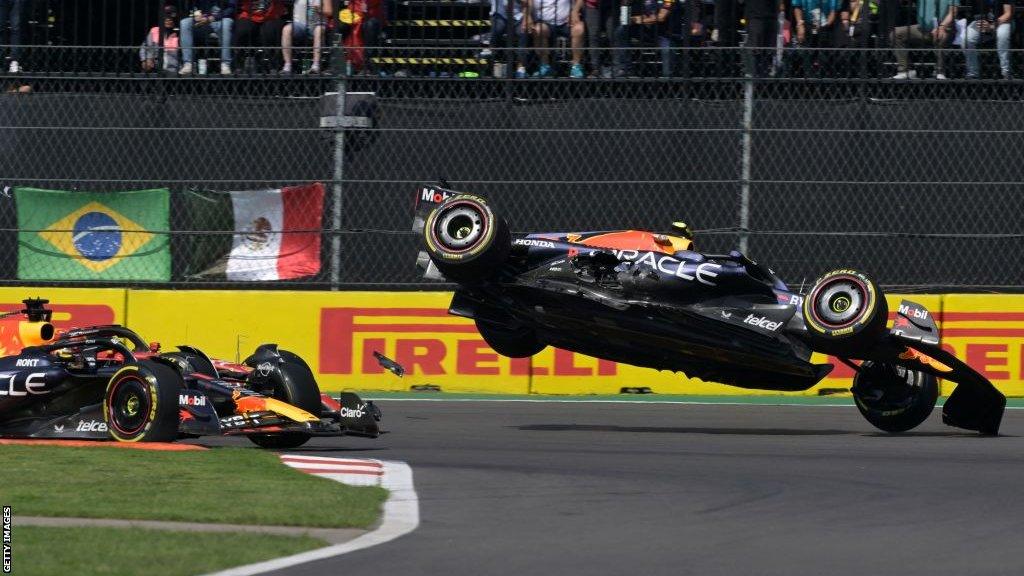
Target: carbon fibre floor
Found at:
581, 488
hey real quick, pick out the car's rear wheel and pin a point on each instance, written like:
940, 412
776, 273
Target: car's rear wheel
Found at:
293, 383
514, 343
845, 313
192, 363
141, 403
465, 239
894, 398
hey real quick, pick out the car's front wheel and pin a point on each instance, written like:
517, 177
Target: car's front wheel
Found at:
141, 403
845, 313
293, 383
894, 398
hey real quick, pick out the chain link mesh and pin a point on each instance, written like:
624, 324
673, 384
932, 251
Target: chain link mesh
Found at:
809, 166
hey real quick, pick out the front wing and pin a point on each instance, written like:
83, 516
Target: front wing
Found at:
346, 416
913, 341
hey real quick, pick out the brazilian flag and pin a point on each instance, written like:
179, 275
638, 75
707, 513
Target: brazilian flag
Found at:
93, 235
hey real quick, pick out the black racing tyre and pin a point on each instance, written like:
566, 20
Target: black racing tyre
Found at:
192, 363
894, 398
293, 383
845, 313
518, 343
141, 403
465, 239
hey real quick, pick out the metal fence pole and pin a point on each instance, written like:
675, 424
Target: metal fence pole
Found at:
747, 123
341, 72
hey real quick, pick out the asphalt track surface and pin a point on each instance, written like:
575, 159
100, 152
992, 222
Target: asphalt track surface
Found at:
524, 488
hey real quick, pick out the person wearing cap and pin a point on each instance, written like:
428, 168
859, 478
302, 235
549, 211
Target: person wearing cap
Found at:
161, 39
208, 17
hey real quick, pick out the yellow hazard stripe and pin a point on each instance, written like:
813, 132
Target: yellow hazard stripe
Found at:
440, 23
423, 61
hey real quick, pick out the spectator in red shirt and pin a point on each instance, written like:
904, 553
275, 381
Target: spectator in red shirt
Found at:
362, 23
259, 23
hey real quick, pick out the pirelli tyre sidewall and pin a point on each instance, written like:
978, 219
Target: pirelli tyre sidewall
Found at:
189, 363
894, 398
845, 312
486, 242
141, 403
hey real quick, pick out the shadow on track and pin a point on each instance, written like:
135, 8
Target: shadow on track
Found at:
682, 430
332, 449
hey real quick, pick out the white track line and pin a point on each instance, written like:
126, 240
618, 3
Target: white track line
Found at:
401, 516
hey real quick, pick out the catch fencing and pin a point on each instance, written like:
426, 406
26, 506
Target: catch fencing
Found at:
806, 160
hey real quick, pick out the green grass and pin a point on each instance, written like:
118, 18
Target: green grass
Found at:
39, 551
224, 485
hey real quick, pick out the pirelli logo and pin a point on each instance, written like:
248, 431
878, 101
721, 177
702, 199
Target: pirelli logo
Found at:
430, 342
990, 342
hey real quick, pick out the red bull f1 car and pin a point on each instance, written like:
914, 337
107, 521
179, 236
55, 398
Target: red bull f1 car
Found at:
106, 382
650, 299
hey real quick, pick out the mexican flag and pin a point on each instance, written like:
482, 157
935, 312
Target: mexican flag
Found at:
93, 235
257, 235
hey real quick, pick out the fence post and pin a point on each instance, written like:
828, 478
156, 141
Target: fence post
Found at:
341, 73
748, 118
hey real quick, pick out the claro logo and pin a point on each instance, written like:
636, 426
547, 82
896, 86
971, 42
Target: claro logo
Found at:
426, 341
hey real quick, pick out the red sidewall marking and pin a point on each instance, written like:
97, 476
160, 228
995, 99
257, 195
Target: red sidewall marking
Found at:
814, 298
483, 234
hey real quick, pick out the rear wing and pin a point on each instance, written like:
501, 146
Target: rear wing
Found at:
427, 198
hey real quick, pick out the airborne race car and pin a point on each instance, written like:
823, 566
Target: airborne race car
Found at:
649, 299
105, 382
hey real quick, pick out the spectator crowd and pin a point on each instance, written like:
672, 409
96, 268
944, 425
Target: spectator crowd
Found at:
579, 38
233, 26
800, 37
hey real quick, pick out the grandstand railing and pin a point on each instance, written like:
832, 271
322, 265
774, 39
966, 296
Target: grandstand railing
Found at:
805, 159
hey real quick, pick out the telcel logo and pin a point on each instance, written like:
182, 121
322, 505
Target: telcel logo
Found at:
91, 426
762, 322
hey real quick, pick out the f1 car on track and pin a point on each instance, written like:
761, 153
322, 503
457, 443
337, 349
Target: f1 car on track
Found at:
650, 299
105, 382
